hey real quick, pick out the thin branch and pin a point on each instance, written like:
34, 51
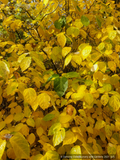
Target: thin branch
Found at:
49, 13
51, 62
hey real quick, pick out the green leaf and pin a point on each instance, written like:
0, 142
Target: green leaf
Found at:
78, 8
4, 70
98, 21
60, 23
48, 117
60, 85
73, 30
51, 77
71, 75
85, 21
57, 24
2, 147
20, 146
58, 137
53, 128
88, 82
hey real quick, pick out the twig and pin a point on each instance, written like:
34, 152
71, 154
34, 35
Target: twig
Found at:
51, 61
49, 13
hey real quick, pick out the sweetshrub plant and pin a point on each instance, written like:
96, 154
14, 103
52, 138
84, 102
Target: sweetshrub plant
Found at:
59, 79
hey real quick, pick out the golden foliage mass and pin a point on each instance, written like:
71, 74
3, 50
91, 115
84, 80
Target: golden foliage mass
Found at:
59, 79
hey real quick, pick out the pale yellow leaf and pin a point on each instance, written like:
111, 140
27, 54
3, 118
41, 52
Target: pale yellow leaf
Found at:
20, 146
65, 51
4, 70
2, 147
61, 39
44, 100
68, 59
29, 95
25, 63
70, 138
86, 51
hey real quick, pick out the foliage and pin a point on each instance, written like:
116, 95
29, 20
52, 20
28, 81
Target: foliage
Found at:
59, 79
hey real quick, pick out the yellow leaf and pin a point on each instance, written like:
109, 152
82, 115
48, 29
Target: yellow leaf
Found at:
45, 2
18, 116
10, 153
81, 88
114, 103
30, 122
112, 34
29, 95
80, 93
28, 47
25, 63
47, 147
117, 124
21, 57
25, 130
86, 51
11, 88
114, 79
44, 100
61, 39
78, 23
18, 127
9, 119
108, 52
40, 131
68, 59
100, 124
31, 138
88, 98
35, 104
104, 99
101, 46
74, 152
88, 148
64, 118
77, 59
83, 33
58, 137
90, 129
108, 131
2, 125
118, 151
4, 1
102, 66
111, 149
4, 70
74, 31
20, 146
112, 66
70, 138
55, 126
2, 147
117, 47
65, 51
12, 105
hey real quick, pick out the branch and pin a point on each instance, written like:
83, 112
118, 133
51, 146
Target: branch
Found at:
49, 13
51, 62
